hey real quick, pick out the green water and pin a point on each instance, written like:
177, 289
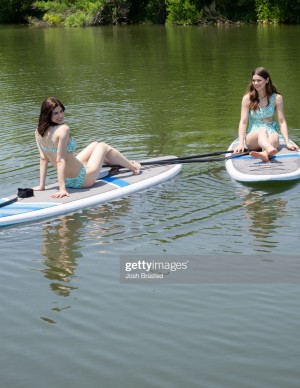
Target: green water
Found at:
148, 90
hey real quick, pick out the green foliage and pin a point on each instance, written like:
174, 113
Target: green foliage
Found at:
79, 13
278, 11
53, 19
52, 6
182, 12
98, 12
78, 19
210, 11
266, 11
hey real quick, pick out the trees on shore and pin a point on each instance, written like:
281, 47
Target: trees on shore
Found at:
79, 13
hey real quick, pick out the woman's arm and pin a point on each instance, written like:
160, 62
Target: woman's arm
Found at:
243, 123
282, 123
43, 167
63, 139
43, 172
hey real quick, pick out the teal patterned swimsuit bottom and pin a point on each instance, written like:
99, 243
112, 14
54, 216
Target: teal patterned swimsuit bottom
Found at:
77, 182
258, 118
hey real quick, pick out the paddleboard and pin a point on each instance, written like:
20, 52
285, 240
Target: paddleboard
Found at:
284, 166
106, 188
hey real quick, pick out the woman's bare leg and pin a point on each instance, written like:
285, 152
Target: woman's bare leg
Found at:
261, 139
100, 152
115, 157
86, 153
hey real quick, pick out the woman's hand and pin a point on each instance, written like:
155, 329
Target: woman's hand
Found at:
60, 194
239, 148
292, 146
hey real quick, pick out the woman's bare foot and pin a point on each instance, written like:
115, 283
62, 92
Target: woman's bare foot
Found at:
137, 168
272, 151
263, 155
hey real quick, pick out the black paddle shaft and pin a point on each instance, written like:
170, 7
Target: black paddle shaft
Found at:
183, 160
9, 201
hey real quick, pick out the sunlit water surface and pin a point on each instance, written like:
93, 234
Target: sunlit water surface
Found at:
66, 319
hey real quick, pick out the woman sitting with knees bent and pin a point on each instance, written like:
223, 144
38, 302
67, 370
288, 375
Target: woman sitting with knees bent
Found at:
257, 116
55, 145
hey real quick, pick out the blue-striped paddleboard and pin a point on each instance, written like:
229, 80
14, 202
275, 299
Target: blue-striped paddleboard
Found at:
284, 166
106, 188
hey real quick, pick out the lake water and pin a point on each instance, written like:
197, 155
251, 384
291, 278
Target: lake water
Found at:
66, 318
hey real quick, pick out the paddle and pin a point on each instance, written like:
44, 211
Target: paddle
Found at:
215, 153
9, 201
187, 159
204, 155
191, 160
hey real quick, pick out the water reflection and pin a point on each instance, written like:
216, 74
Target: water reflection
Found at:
264, 213
64, 238
61, 249
264, 207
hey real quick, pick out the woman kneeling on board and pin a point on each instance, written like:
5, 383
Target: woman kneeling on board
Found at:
257, 116
55, 145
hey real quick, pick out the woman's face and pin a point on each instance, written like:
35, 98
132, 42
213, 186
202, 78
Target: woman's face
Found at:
259, 82
58, 116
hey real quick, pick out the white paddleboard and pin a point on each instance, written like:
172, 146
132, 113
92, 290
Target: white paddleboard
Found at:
105, 189
284, 166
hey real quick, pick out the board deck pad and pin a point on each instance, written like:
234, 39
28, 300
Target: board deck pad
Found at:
284, 166
106, 188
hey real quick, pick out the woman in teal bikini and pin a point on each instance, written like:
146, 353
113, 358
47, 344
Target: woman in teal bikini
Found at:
257, 118
55, 145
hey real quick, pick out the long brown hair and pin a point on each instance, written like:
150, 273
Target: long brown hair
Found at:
270, 88
47, 108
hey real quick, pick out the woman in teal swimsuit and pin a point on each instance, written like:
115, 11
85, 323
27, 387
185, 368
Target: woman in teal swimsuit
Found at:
55, 145
257, 121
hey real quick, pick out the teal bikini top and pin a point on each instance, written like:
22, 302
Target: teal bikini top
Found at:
71, 147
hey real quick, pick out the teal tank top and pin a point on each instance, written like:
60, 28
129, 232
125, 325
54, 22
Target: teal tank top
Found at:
257, 117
